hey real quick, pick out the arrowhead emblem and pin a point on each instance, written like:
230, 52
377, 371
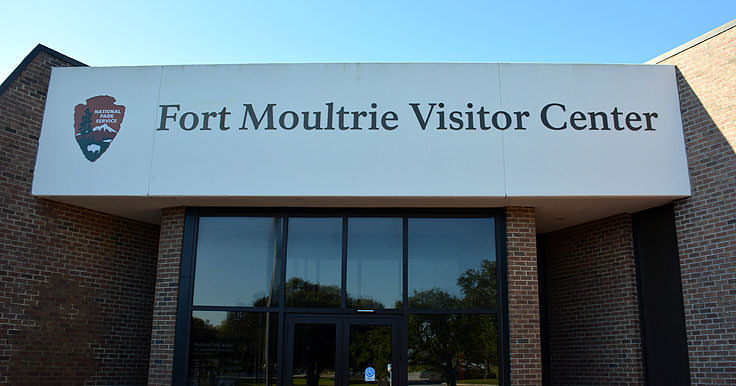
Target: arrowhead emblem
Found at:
96, 123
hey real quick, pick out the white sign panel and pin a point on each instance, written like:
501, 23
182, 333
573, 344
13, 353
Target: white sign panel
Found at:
363, 130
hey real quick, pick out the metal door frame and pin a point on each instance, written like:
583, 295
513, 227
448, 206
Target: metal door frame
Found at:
342, 323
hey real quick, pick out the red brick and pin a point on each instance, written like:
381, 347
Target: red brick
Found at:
76, 286
523, 292
592, 304
706, 222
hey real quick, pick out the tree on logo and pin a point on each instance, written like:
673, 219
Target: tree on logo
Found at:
85, 127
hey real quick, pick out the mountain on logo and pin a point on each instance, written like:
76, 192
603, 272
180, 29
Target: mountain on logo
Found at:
104, 127
95, 140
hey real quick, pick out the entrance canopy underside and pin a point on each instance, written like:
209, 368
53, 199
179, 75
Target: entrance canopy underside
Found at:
552, 213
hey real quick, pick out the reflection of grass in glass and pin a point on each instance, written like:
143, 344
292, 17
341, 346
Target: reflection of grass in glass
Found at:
240, 382
478, 382
322, 381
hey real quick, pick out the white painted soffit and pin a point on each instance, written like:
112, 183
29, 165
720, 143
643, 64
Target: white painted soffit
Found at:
552, 213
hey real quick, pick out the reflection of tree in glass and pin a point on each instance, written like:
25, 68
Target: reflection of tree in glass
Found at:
480, 290
433, 346
479, 346
314, 351
302, 293
435, 298
370, 345
366, 303
203, 330
479, 286
456, 346
234, 350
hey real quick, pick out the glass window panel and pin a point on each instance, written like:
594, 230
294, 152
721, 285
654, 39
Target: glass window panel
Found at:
452, 263
369, 346
314, 355
453, 349
237, 261
374, 271
313, 262
233, 348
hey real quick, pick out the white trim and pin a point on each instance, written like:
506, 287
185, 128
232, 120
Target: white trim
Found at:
692, 43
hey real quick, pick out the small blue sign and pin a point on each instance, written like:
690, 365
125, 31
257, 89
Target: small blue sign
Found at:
370, 374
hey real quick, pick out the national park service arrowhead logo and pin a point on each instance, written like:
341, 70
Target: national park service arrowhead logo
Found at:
96, 124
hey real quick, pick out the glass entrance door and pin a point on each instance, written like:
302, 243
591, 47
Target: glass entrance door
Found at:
335, 350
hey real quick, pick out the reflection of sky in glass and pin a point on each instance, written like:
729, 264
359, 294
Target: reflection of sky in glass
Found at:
236, 256
314, 250
235, 260
441, 250
374, 259
215, 318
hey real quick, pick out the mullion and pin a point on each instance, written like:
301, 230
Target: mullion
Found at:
282, 310
454, 311
284, 242
404, 344
344, 268
281, 339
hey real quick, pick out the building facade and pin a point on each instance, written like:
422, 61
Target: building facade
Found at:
96, 290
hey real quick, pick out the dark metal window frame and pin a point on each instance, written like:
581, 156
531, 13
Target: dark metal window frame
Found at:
343, 323
189, 247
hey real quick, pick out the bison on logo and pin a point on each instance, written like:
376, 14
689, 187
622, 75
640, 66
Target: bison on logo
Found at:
96, 124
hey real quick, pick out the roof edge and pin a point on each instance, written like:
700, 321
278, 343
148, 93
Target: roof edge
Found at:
710, 34
32, 55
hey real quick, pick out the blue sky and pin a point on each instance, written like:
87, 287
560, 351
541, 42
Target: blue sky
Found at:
124, 33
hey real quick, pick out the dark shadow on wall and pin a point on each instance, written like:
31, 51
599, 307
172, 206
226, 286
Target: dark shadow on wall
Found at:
709, 154
662, 319
711, 158
590, 326
706, 221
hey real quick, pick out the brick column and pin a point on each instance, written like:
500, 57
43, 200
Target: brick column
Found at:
166, 297
524, 335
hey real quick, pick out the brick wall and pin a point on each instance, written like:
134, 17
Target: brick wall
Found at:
76, 286
524, 335
593, 311
706, 222
167, 295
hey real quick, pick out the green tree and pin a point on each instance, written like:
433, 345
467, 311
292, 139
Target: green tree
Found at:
303, 293
314, 351
85, 126
434, 298
364, 302
461, 345
433, 346
370, 345
314, 345
434, 338
479, 288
